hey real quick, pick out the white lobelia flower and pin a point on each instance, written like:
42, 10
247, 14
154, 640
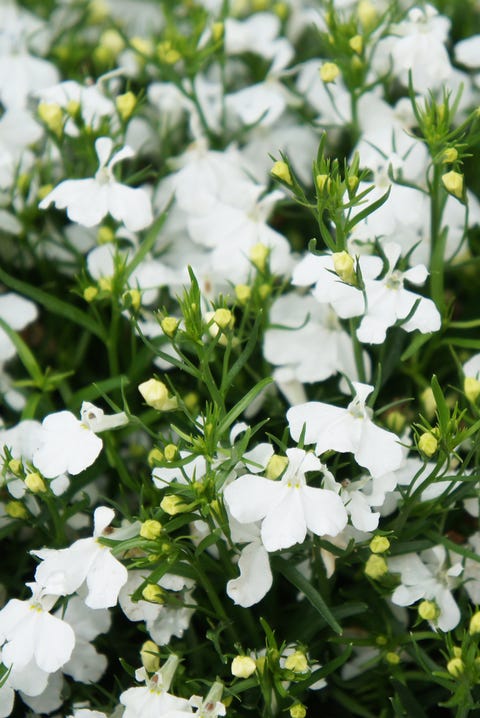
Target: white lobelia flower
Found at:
28, 632
255, 579
387, 301
17, 312
428, 576
288, 507
63, 571
153, 700
332, 428
88, 201
68, 444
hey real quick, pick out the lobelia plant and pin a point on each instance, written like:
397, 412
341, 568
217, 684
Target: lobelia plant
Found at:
239, 375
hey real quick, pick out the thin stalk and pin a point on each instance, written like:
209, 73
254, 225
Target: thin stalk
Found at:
438, 240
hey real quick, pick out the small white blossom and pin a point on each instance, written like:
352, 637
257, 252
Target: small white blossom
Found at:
88, 201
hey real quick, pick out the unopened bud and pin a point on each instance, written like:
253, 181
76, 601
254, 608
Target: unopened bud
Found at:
150, 656
105, 234
282, 172
52, 116
125, 105
155, 457
471, 387
276, 466
298, 711
258, 255
35, 483
166, 53
323, 181
453, 183
150, 529
16, 510
223, 318
428, 610
90, 293
243, 666
243, 293
329, 72
344, 266
218, 30
376, 567
106, 284
474, 626
133, 299
356, 44
428, 444
170, 452
173, 505
455, 667
367, 14
169, 326
379, 544
392, 658
154, 593
15, 466
156, 395
296, 662
449, 155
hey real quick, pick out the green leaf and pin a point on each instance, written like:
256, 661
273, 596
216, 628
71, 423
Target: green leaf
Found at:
366, 211
242, 405
442, 408
208, 541
416, 344
294, 576
53, 304
25, 355
146, 245
408, 701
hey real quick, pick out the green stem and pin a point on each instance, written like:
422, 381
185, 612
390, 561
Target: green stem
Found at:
438, 240
357, 351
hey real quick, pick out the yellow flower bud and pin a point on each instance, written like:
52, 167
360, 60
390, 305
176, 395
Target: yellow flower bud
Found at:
298, 711
428, 610
170, 452
142, 46
281, 10
356, 44
453, 183
125, 105
173, 505
133, 298
367, 14
155, 457
15, 466
156, 395
223, 318
329, 72
376, 567
379, 544
190, 401
352, 183
471, 387
150, 656
112, 41
276, 466
97, 11
35, 483
474, 626
73, 108
381, 640
323, 181
395, 421
258, 255
44, 190
392, 658
344, 266
455, 667
169, 326
89, 293
218, 30
16, 510
166, 53
154, 593
243, 666
150, 529
449, 155
281, 171
105, 234
297, 662
428, 444
106, 284
243, 293
428, 401
264, 290
52, 116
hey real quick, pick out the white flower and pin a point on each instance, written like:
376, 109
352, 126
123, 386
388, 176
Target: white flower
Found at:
388, 301
63, 571
30, 632
287, 508
153, 700
88, 201
347, 430
17, 312
428, 577
66, 445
